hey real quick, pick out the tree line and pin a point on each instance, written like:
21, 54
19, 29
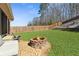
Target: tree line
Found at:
54, 12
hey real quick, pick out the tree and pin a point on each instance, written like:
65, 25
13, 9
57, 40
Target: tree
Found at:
54, 12
29, 24
42, 12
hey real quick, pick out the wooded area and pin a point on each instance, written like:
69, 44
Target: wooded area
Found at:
54, 12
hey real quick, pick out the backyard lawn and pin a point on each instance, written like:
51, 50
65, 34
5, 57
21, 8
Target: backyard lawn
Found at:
64, 43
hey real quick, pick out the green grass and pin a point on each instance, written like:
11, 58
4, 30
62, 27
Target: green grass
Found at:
63, 43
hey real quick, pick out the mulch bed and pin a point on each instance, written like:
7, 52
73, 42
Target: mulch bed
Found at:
26, 50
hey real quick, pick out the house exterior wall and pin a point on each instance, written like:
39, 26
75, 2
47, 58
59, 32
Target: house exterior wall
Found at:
5, 17
4, 23
7, 10
8, 26
0, 22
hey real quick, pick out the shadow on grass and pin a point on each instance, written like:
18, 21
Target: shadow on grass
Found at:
68, 29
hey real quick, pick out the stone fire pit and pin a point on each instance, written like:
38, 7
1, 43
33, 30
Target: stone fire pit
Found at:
37, 42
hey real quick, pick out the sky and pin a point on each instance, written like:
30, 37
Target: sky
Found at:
24, 13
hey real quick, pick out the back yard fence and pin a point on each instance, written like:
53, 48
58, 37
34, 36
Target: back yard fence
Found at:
16, 29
